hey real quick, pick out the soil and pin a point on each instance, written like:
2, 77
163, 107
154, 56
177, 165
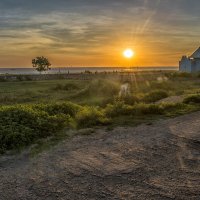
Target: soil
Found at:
155, 161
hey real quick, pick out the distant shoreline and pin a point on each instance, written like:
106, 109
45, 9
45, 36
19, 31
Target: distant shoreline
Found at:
79, 70
87, 75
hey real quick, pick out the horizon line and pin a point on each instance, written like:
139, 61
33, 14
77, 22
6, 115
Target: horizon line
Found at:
94, 67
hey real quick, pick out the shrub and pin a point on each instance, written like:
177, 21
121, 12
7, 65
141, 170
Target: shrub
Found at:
70, 86
67, 86
155, 96
120, 108
2, 79
58, 87
103, 87
23, 124
180, 74
19, 77
147, 109
166, 86
66, 108
192, 99
117, 109
177, 109
129, 99
91, 116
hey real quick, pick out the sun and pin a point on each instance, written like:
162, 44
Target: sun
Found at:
128, 53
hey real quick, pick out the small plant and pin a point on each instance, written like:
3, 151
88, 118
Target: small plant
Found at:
58, 87
155, 96
66, 108
23, 124
181, 75
66, 87
129, 99
193, 99
20, 78
103, 87
91, 116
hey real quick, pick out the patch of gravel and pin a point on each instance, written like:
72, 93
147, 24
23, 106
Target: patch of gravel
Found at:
159, 161
172, 99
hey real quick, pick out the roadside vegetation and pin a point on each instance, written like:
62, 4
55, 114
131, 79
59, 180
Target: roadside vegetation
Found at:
31, 111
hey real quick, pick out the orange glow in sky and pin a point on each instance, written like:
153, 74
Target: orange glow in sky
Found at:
95, 33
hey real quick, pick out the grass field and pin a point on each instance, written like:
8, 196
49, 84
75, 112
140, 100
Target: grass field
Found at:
98, 91
34, 110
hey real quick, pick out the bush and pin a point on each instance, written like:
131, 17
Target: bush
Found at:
120, 108
91, 116
192, 99
103, 87
3, 79
66, 87
155, 96
66, 108
181, 75
58, 87
19, 77
70, 86
23, 124
130, 99
117, 109
148, 109
166, 86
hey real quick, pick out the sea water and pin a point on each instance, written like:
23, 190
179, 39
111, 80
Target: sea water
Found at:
77, 70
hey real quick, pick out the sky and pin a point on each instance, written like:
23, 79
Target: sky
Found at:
96, 32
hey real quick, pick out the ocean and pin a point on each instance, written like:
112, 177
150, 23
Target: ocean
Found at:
77, 70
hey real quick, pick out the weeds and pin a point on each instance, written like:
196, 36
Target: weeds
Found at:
192, 99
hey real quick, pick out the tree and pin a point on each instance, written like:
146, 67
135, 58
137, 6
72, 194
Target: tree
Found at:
41, 64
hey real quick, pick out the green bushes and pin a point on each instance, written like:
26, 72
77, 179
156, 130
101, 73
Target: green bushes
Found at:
195, 99
22, 125
148, 109
180, 74
102, 87
155, 96
91, 116
117, 109
130, 99
66, 108
120, 108
66, 87
142, 110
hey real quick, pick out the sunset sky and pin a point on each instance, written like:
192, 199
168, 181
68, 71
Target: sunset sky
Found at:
95, 32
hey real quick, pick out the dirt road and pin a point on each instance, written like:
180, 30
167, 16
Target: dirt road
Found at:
159, 161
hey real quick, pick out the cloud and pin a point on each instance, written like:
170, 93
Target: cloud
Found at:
97, 28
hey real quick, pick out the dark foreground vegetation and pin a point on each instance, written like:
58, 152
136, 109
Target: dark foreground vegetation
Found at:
31, 111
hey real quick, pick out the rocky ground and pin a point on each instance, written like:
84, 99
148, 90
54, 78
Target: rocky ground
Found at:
158, 161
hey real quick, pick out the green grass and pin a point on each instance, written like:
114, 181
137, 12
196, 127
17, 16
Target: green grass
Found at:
39, 91
32, 111
96, 92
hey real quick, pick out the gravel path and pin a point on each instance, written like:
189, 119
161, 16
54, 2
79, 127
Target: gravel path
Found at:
159, 161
